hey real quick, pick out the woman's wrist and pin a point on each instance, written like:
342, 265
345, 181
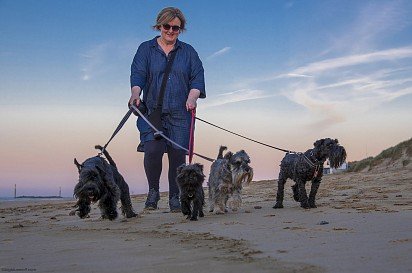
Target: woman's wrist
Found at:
136, 90
135, 96
194, 94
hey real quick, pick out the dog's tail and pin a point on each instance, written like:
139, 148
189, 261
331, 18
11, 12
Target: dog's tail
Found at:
221, 150
106, 154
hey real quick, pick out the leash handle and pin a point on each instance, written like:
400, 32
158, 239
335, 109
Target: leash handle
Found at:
192, 135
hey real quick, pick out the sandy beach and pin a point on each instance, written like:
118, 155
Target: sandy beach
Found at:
362, 224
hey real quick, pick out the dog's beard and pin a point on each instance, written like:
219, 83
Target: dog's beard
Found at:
337, 156
248, 176
242, 176
90, 194
191, 188
190, 193
92, 197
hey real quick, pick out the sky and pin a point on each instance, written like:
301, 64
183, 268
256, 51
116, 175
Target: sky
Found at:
285, 73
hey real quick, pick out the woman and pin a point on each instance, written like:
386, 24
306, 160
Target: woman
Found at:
184, 86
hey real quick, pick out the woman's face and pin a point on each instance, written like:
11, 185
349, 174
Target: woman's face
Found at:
170, 35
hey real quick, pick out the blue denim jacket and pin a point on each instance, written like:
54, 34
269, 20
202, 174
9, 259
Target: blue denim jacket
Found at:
187, 73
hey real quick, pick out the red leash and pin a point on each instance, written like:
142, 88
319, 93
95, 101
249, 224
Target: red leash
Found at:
192, 136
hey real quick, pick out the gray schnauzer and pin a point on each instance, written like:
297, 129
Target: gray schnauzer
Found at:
101, 181
192, 197
227, 174
308, 166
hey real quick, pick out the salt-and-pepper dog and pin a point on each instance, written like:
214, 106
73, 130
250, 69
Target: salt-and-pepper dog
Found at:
101, 181
227, 174
192, 197
302, 167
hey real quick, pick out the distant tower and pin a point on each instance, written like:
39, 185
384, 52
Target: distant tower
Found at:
15, 191
60, 191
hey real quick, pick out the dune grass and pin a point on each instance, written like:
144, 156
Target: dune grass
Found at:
391, 154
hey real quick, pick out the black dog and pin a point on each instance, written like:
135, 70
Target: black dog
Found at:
308, 166
189, 180
100, 181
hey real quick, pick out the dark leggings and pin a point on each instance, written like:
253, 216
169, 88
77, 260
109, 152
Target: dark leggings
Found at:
153, 154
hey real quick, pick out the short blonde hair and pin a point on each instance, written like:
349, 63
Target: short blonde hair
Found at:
168, 14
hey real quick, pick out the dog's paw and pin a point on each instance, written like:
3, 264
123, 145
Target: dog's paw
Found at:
131, 214
234, 205
111, 215
312, 205
278, 206
83, 215
218, 211
305, 205
193, 218
201, 214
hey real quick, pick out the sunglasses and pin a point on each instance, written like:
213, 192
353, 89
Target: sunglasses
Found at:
174, 28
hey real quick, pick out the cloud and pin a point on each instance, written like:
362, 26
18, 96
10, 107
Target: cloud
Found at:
376, 22
354, 73
357, 59
294, 75
93, 61
235, 96
101, 59
335, 89
218, 53
351, 85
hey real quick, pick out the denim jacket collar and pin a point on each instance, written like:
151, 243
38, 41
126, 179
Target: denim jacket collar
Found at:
154, 43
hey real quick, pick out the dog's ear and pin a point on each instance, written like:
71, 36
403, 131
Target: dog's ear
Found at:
101, 172
337, 141
200, 166
228, 155
78, 165
105, 178
180, 168
109, 183
318, 142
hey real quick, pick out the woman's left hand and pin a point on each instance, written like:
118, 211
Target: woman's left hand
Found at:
191, 101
